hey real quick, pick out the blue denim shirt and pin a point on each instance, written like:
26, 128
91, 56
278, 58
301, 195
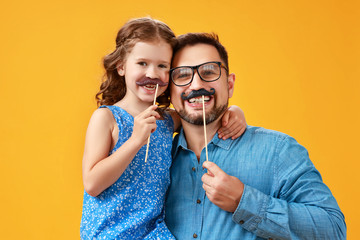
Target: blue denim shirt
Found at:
284, 196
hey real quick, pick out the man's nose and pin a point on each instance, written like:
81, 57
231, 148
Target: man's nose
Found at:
196, 83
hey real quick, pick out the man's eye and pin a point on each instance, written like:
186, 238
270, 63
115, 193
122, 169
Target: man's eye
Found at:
208, 72
184, 75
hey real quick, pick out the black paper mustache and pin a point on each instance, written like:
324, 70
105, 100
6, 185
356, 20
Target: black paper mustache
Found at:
197, 93
151, 81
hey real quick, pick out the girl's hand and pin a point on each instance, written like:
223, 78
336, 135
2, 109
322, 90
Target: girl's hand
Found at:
233, 123
144, 125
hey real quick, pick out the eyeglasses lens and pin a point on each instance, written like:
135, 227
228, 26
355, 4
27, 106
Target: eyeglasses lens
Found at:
207, 72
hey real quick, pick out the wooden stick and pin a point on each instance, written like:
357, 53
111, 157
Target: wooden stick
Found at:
148, 142
204, 119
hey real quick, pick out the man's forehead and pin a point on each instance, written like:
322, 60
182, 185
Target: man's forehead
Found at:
195, 55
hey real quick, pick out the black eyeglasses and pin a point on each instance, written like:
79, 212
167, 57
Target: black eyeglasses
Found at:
208, 72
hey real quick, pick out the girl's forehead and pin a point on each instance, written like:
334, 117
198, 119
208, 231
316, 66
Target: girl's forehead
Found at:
153, 50
152, 44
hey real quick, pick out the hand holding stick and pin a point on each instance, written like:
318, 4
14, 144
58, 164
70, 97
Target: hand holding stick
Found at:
148, 142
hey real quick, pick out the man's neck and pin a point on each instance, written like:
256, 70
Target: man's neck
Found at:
194, 135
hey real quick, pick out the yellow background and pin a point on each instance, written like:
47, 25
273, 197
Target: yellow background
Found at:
297, 66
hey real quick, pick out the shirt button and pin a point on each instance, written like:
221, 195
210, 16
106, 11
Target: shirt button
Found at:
195, 235
241, 222
198, 201
194, 169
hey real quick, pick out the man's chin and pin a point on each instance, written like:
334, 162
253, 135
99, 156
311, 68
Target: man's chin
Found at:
191, 118
197, 119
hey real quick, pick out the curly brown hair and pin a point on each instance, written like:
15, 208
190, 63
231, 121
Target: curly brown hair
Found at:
113, 86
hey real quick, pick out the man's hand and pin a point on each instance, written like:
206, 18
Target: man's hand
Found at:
223, 190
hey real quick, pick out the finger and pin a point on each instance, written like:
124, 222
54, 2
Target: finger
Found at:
211, 198
148, 125
151, 127
208, 189
149, 113
225, 118
242, 130
212, 195
146, 113
155, 114
232, 122
233, 132
212, 167
227, 129
207, 179
153, 107
230, 131
150, 120
153, 130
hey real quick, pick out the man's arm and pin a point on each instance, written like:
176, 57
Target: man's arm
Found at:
300, 205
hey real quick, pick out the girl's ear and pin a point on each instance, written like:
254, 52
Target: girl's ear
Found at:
120, 69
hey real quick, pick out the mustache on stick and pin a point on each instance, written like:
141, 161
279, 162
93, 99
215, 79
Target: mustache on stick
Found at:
151, 81
198, 93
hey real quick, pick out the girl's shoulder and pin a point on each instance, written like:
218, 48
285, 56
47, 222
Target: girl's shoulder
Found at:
103, 112
102, 117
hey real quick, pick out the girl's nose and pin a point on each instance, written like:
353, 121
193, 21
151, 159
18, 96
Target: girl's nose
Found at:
152, 72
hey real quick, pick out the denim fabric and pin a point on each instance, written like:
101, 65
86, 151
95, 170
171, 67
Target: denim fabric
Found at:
284, 196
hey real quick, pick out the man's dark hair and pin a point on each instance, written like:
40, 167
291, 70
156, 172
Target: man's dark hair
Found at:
212, 39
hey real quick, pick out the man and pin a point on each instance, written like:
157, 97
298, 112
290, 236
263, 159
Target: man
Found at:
261, 185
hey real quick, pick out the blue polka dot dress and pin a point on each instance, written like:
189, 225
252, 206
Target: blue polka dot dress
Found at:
133, 207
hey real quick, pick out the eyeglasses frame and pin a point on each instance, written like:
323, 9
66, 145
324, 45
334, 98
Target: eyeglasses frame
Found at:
220, 64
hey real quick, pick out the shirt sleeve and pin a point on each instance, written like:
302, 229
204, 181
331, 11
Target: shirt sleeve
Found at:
300, 205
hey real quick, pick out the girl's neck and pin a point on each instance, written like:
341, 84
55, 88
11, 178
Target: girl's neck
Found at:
132, 106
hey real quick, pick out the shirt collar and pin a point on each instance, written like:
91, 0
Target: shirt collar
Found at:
181, 142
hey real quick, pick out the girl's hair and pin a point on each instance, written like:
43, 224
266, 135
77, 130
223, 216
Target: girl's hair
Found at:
113, 86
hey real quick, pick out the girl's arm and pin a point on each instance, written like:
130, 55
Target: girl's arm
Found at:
101, 170
233, 122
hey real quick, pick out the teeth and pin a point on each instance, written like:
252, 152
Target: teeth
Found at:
150, 87
199, 100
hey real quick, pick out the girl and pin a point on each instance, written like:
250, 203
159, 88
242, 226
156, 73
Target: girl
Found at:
124, 196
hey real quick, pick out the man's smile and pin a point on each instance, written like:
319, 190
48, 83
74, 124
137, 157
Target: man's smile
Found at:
199, 99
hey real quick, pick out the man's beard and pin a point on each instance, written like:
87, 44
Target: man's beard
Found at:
214, 114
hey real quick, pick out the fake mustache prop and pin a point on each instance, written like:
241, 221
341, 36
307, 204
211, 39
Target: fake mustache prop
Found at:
198, 93
151, 81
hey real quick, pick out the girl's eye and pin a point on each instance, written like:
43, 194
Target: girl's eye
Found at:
142, 63
163, 66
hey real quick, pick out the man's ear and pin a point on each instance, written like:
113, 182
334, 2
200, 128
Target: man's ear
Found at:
231, 83
120, 69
